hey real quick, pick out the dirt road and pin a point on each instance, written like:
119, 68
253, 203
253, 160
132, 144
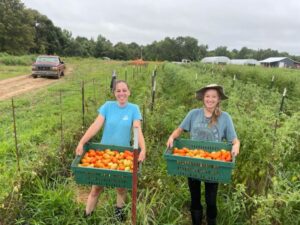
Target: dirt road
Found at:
18, 85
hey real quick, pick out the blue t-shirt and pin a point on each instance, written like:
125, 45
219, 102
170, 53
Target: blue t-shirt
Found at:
118, 122
197, 124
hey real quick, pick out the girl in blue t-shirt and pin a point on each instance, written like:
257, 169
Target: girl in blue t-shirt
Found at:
118, 117
211, 124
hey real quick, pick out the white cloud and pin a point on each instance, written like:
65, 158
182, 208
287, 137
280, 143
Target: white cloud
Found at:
256, 24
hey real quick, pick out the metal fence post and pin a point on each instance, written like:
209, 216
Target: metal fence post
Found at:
144, 118
280, 111
272, 82
153, 94
15, 135
82, 104
233, 80
61, 121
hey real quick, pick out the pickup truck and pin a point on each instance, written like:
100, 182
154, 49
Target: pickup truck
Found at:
48, 66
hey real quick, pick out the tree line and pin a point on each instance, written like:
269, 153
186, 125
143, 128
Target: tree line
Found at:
26, 31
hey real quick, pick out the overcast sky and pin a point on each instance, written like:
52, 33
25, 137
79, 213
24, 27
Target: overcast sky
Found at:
256, 24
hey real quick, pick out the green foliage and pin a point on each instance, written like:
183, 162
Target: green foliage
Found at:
48, 203
103, 47
16, 60
15, 28
283, 78
13, 71
265, 185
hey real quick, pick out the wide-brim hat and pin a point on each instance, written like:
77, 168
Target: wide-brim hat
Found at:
219, 88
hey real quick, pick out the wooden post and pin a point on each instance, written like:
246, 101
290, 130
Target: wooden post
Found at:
134, 176
15, 135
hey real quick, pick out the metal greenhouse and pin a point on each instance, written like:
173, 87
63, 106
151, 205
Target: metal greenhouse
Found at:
216, 60
246, 62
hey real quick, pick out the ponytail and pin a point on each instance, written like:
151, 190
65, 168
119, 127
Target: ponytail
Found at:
215, 115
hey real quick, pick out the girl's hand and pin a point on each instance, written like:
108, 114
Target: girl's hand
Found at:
235, 150
235, 147
79, 149
142, 156
170, 142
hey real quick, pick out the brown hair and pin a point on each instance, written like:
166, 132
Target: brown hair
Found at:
215, 115
119, 81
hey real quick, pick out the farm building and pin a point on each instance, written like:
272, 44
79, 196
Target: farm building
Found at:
246, 62
216, 60
282, 62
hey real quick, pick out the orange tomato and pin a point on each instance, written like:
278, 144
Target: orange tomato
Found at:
222, 154
108, 159
114, 159
106, 156
129, 157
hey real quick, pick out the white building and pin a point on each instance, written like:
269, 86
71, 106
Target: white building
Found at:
281, 62
245, 62
216, 60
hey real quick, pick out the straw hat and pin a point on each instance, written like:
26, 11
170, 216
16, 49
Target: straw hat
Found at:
219, 88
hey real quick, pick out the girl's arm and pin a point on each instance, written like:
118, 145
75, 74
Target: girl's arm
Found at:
176, 133
142, 155
91, 132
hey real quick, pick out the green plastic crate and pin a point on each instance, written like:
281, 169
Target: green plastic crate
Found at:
102, 177
203, 169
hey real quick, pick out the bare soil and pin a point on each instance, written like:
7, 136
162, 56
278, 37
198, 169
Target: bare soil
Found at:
18, 85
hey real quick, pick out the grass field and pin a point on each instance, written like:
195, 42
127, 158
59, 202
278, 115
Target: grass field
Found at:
13, 71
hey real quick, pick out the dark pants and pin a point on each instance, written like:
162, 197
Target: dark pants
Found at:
211, 190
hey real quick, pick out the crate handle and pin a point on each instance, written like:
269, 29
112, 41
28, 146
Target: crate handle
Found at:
79, 156
169, 150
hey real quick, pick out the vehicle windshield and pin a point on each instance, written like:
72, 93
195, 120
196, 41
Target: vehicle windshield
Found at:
47, 59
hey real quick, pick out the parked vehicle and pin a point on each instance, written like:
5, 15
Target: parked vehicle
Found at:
48, 66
